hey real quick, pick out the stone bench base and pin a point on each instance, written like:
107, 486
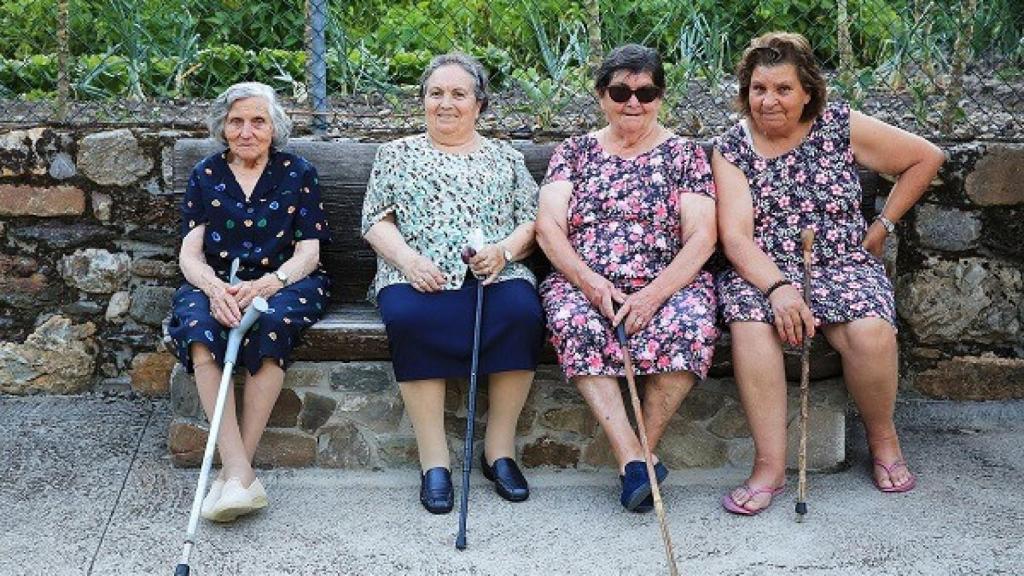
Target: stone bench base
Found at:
350, 415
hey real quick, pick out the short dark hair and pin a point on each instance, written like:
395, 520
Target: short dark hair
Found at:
634, 58
471, 65
776, 48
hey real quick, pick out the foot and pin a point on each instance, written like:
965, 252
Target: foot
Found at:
237, 500
750, 501
509, 481
211, 498
436, 492
889, 469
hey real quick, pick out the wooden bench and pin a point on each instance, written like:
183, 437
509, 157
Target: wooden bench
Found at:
351, 330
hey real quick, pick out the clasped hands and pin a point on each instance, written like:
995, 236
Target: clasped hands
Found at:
228, 303
424, 275
635, 310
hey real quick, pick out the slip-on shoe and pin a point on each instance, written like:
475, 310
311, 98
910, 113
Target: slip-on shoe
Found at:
236, 500
436, 493
508, 480
211, 498
636, 486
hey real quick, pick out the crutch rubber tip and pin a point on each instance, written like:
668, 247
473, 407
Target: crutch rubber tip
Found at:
801, 508
460, 542
181, 570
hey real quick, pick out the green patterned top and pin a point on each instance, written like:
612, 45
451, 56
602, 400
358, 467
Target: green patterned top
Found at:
437, 198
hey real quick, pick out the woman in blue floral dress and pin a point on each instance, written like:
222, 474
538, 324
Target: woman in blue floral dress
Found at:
791, 164
627, 220
257, 204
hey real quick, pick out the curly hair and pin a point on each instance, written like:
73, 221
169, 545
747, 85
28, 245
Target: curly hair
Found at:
773, 49
222, 105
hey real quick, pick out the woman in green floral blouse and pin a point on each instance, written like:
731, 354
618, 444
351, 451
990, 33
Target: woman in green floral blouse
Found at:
425, 194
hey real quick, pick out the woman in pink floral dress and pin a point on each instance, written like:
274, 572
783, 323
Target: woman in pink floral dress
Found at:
791, 164
627, 220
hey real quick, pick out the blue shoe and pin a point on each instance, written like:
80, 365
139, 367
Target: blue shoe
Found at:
636, 486
436, 492
648, 504
509, 481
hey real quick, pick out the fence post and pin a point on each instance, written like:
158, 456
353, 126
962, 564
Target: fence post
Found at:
316, 62
63, 83
845, 48
593, 10
961, 51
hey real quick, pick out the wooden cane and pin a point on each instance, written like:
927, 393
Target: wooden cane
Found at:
634, 398
807, 238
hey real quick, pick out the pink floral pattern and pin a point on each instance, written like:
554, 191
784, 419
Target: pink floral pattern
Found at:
623, 221
814, 185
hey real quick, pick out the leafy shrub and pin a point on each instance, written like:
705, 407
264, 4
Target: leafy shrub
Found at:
220, 67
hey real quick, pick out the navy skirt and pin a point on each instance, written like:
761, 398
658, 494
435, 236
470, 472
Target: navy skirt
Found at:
431, 335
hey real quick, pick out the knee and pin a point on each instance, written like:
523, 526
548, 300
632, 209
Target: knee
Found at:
869, 339
200, 354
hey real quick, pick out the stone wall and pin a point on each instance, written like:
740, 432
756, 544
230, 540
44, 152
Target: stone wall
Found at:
88, 238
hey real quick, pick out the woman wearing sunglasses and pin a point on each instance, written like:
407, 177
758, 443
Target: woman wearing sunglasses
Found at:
791, 164
627, 219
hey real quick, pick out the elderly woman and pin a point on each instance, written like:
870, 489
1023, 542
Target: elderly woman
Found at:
259, 205
791, 164
425, 194
627, 218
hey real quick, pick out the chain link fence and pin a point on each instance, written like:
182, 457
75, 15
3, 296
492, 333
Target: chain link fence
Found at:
951, 70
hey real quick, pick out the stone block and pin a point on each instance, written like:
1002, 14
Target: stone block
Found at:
21, 200
95, 270
23, 285
1003, 231
950, 229
598, 452
285, 448
730, 422
113, 158
184, 396
151, 304
28, 152
308, 375
367, 377
547, 451
342, 445
826, 426
118, 306
151, 373
998, 177
57, 358
62, 166
186, 441
316, 411
575, 419
380, 412
686, 445
701, 404
970, 299
973, 378
59, 236
398, 450
150, 268
102, 206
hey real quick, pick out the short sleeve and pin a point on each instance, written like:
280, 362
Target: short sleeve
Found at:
380, 189
525, 193
311, 220
562, 162
696, 177
193, 208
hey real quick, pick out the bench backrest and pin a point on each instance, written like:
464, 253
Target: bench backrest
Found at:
344, 169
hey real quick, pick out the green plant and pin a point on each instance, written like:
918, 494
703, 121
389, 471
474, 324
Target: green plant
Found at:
220, 67
99, 76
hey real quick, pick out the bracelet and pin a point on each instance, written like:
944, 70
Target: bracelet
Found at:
889, 225
778, 284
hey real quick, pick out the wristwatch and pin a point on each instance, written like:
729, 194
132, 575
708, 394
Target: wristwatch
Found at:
281, 276
506, 253
889, 225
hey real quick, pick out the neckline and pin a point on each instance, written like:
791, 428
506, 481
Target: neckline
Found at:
748, 137
607, 154
236, 187
429, 143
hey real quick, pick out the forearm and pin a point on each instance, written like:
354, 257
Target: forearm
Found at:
387, 241
909, 188
197, 272
752, 264
686, 265
561, 254
521, 241
302, 263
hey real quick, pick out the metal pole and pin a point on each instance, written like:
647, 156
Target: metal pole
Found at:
316, 63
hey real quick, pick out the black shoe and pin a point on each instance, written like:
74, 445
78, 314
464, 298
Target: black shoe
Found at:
436, 493
508, 480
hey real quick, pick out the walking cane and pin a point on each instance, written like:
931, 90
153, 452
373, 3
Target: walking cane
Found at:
634, 398
807, 238
467, 453
252, 313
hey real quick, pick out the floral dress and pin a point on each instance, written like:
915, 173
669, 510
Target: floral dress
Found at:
814, 185
624, 223
261, 232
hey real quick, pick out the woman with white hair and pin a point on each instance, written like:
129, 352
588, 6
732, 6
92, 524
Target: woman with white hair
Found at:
259, 205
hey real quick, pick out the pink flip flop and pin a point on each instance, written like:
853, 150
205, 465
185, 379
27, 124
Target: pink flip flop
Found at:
730, 504
905, 487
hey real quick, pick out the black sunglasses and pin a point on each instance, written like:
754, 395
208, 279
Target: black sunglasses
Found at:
645, 94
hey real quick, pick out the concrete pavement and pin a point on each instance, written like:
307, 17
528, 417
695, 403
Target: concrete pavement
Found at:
86, 488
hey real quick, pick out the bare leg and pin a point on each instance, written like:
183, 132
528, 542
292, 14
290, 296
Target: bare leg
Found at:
507, 392
761, 379
424, 402
605, 400
261, 392
235, 463
870, 369
663, 393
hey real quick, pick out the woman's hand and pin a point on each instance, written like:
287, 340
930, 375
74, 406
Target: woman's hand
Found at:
639, 309
874, 240
423, 274
223, 305
488, 263
264, 287
601, 293
793, 319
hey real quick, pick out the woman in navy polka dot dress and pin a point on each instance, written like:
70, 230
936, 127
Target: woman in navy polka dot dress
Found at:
262, 206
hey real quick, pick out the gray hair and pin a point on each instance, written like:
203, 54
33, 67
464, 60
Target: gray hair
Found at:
471, 65
222, 105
